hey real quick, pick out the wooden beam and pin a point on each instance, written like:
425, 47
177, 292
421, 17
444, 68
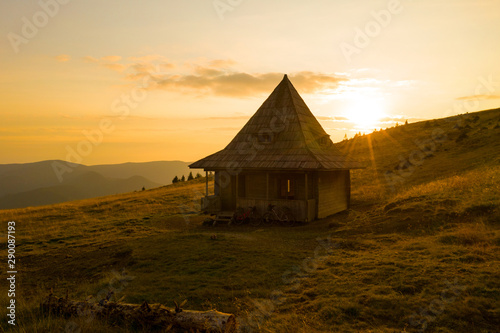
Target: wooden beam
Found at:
206, 184
307, 190
236, 194
267, 186
307, 197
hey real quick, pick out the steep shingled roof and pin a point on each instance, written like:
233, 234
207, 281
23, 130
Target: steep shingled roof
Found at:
282, 134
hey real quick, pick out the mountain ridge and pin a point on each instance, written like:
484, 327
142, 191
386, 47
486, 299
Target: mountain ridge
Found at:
20, 183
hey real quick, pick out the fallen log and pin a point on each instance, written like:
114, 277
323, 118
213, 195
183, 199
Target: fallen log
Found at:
144, 316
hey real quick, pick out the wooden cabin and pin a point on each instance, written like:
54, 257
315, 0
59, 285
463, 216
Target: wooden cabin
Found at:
282, 156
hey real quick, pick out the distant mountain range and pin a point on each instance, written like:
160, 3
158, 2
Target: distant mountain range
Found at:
49, 182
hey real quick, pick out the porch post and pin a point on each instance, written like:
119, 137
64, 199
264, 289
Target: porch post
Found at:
236, 194
307, 192
206, 184
267, 187
307, 197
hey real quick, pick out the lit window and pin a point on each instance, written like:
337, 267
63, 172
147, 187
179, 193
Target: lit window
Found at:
287, 188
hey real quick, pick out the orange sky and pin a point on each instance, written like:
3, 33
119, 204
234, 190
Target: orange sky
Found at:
116, 81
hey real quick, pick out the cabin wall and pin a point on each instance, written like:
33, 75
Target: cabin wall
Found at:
252, 192
225, 188
298, 184
328, 191
255, 185
333, 191
301, 186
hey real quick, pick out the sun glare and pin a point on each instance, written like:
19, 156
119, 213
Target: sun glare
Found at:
365, 113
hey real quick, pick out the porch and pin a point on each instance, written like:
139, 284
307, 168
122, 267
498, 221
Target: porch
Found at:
294, 190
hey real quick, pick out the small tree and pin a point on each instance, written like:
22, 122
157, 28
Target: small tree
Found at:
190, 177
197, 175
406, 122
143, 188
345, 137
183, 179
175, 180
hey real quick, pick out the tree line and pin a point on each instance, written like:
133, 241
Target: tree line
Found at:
183, 178
374, 131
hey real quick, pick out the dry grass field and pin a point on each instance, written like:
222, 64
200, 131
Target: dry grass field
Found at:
418, 250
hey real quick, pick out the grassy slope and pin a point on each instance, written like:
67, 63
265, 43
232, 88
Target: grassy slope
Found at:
433, 221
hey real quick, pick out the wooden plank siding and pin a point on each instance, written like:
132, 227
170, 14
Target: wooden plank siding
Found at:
328, 191
303, 210
252, 192
255, 186
301, 186
332, 194
225, 188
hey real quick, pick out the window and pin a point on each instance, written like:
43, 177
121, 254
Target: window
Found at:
324, 141
287, 188
264, 138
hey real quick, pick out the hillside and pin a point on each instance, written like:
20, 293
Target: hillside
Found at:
49, 182
418, 250
161, 172
83, 186
404, 156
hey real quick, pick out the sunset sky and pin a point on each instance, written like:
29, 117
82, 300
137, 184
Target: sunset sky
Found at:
177, 79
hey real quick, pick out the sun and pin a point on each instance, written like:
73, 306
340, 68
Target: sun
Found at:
365, 113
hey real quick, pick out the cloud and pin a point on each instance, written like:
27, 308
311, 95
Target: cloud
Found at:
226, 118
116, 67
335, 118
212, 77
238, 84
400, 119
143, 67
109, 62
385, 121
222, 63
105, 59
111, 58
63, 58
477, 97
138, 65
90, 59
148, 58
